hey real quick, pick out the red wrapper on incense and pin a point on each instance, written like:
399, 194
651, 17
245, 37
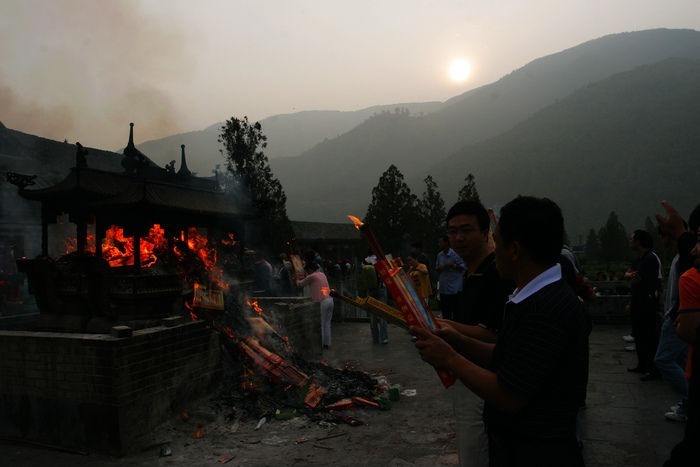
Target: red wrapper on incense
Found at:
413, 307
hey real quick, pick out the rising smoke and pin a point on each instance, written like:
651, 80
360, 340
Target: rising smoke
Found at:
82, 70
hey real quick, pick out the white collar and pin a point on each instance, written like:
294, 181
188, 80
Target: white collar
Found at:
545, 278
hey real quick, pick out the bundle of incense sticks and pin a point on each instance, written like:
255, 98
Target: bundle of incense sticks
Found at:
413, 307
376, 307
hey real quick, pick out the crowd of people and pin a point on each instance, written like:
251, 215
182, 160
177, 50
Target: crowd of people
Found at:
513, 328
518, 339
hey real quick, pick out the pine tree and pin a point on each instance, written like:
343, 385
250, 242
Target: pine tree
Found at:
393, 212
247, 165
432, 212
468, 191
614, 244
592, 245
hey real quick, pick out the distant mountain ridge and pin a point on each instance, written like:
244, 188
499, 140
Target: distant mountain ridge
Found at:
337, 177
287, 135
609, 102
621, 144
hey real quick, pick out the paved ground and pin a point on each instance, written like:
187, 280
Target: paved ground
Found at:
624, 423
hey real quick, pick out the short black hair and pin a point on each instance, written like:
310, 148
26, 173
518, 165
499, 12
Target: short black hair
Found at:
537, 224
470, 208
644, 238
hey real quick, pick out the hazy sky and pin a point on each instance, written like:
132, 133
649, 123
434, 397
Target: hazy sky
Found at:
84, 69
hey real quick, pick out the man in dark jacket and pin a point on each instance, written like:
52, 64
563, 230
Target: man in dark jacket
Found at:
534, 377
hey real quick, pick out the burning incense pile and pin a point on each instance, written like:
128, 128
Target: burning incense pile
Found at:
263, 374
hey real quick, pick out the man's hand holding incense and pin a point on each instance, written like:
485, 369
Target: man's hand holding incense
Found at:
433, 349
447, 331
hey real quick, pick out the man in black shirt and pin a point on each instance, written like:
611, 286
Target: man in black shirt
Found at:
480, 314
645, 276
533, 377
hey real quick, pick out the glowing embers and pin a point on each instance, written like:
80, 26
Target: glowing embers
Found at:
118, 250
198, 260
71, 244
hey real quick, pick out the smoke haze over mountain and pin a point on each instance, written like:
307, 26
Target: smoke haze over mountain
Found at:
82, 70
86, 66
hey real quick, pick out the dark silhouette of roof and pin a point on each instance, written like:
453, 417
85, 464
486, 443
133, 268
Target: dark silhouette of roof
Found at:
101, 189
142, 186
184, 172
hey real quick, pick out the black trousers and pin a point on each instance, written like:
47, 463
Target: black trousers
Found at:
645, 327
517, 451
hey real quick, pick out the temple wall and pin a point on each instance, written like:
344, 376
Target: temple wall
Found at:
100, 392
300, 320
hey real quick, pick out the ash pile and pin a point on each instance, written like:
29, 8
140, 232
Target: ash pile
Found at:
265, 379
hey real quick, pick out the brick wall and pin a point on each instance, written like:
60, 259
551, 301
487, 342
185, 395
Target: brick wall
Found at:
300, 320
99, 392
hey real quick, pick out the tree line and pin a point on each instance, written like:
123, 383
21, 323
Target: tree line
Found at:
398, 217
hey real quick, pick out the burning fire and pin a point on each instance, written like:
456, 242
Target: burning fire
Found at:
71, 244
358, 223
254, 305
230, 241
198, 245
118, 250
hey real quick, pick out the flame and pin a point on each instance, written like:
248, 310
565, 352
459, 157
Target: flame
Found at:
71, 244
230, 241
193, 315
254, 305
358, 223
198, 245
325, 291
117, 249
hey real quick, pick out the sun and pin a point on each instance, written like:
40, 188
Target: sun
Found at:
459, 70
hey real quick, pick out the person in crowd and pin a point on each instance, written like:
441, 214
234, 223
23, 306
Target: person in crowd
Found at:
644, 276
284, 276
420, 275
450, 267
672, 351
320, 293
262, 275
687, 452
533, 377
369, 285
484, 294
417, 252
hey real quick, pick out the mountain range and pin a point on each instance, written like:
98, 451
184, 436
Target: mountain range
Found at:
608, 125
336, 177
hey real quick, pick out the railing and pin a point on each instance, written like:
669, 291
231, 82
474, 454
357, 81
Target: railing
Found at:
609, 305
